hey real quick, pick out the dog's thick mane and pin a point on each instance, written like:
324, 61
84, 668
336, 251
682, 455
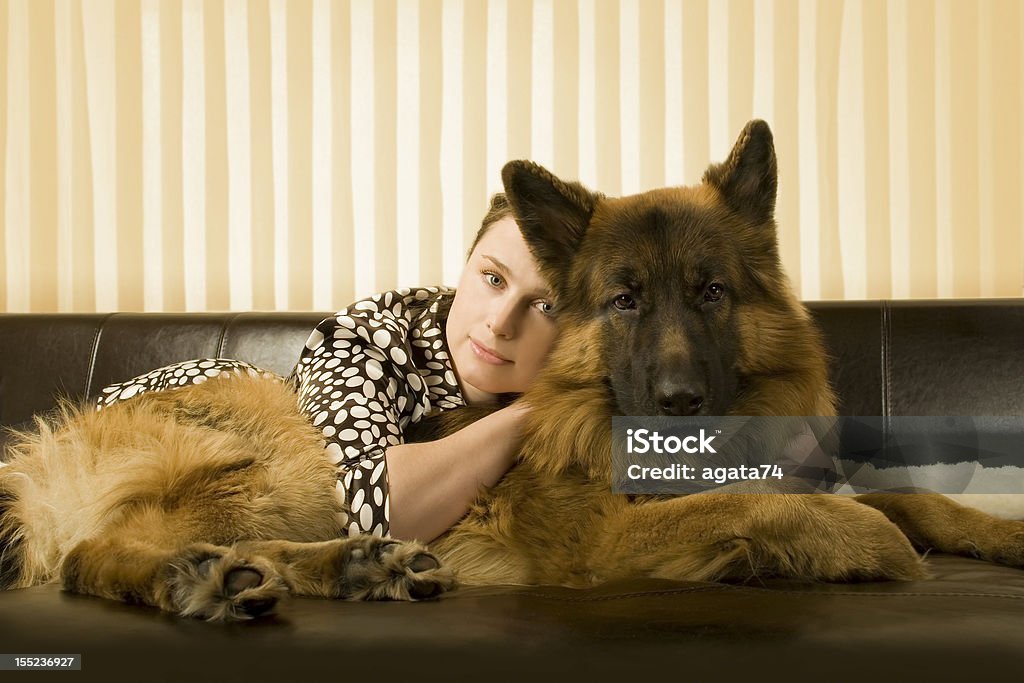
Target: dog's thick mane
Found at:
782, 368
569, 426
571, 409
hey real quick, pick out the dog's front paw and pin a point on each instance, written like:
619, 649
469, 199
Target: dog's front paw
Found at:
385, 569
218, 584
1000, 541
863, 544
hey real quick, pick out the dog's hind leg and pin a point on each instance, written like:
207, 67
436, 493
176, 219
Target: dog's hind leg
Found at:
357, 568
200, 580
933, 522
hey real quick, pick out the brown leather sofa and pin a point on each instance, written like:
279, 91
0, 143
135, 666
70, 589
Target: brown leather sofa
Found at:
890, 358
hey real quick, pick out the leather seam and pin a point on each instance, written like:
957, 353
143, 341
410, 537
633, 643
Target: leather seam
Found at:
222, 344
95, 352
886, 361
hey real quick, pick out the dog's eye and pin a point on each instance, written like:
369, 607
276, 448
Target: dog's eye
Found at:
714, 292
624, 302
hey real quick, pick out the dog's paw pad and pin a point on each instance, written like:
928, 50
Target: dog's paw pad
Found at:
257, 607
423, 563
385, 569
243, 578
426, 590
218, 585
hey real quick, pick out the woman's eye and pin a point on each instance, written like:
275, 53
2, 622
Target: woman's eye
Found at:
714, 292
624, 302
493, 279
545, 307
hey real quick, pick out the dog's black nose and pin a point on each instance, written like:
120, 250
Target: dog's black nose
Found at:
678, 398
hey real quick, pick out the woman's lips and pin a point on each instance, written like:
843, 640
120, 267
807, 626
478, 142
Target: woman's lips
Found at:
486, 354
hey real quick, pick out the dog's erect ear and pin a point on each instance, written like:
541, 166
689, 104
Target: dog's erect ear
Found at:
748, 179
552, 213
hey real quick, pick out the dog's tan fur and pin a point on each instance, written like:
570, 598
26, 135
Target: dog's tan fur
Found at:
553, 519
213, 500
216, 500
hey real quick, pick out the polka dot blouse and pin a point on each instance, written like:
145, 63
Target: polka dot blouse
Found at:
364, 375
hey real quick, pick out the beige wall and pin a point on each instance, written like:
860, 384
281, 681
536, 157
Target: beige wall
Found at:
182, 154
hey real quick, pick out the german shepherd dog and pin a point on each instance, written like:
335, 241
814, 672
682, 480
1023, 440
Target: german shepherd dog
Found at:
674, 302
216, 500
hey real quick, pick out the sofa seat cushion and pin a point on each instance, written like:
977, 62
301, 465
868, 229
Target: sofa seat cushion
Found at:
968, 619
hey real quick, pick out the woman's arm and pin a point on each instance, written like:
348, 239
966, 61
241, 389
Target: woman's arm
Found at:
432, 484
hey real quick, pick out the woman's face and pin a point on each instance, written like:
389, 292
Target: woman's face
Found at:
500, 327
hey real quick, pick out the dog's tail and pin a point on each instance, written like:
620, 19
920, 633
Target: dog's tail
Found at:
11, 542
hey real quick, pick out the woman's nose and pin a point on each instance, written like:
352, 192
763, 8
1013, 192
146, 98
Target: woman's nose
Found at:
503, 319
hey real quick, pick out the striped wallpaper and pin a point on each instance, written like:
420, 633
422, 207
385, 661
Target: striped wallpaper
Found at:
224, 154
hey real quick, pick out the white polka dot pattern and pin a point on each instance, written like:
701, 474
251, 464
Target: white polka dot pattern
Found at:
180, 375
365, 374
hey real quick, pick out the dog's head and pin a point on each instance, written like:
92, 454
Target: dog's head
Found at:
682, 287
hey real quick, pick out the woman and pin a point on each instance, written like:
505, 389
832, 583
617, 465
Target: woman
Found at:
382, 363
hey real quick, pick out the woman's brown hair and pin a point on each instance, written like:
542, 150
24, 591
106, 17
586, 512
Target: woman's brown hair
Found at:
499, 209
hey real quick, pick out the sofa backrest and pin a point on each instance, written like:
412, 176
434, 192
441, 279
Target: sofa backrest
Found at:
960, 357
43, 357
941, 357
